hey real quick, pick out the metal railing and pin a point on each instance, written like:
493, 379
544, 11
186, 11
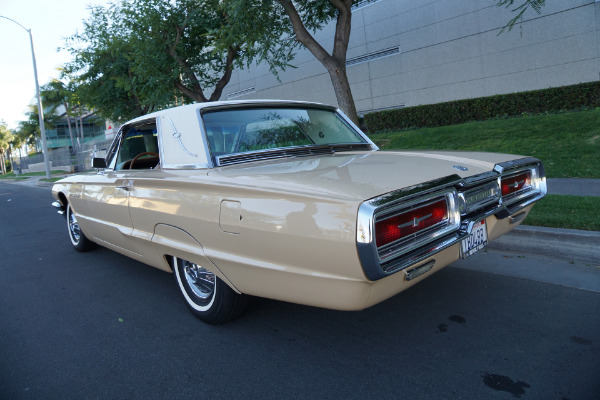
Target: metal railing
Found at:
64, 158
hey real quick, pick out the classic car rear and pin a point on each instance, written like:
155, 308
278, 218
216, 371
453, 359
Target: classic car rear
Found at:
290, 201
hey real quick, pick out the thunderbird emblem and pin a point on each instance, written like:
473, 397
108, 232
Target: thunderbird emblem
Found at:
415, 222
516, 184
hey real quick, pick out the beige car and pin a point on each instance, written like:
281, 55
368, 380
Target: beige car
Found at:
289, 201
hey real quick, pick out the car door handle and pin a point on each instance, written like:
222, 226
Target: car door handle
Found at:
128, 186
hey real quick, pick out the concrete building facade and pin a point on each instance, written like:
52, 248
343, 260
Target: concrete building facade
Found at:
407, 53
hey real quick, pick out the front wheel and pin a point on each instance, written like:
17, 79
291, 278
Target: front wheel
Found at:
207, 296
79, 241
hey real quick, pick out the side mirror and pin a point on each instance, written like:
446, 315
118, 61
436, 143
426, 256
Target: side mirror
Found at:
98, 162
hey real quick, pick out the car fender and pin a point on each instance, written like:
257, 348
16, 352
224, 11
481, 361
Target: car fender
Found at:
169, 240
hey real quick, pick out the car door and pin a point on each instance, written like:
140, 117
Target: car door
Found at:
107, 194
106, 198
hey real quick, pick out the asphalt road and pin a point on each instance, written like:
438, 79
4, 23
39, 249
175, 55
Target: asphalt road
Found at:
100, 326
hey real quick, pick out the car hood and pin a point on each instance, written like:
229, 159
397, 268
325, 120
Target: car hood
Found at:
358, 175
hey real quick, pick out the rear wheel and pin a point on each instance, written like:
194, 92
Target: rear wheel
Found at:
79, 241
207, 296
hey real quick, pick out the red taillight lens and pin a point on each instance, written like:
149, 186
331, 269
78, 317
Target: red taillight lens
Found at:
515, 183
409, 222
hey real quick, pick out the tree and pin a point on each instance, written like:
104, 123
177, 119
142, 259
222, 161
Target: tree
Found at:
103, 69
296, 20
137, 55
29, 130
181, 45
6, 138
55, 94
520, 9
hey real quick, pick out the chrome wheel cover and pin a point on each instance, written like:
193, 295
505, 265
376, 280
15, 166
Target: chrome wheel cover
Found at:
200, 280
74, 229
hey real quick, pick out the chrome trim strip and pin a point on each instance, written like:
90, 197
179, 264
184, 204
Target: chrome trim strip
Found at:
285, 152
263, 104
477, 179
418, 271
537, 190
177, 135
518, 207
466, 207
514, 164
424, 253
356, 128
161, 153
389, 199
205, 144
391, 250
365, 224
517, 218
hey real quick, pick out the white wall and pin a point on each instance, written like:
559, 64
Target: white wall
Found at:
449, 49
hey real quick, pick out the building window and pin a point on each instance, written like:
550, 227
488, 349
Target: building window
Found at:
240, 93
373, 56
365, 3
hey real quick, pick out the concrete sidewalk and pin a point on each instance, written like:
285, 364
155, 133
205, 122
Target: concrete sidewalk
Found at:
574, 186
568, 244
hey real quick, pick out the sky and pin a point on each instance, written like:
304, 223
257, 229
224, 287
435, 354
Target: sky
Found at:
50, 22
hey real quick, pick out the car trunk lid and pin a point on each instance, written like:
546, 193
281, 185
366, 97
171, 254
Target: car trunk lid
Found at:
357, 175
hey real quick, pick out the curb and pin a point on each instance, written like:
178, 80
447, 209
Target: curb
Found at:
570, 244
44, 184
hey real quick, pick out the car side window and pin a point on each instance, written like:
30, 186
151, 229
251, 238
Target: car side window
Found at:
138, 148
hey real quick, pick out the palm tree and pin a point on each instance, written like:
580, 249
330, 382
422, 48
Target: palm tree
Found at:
6, 137
17, 142
55, 94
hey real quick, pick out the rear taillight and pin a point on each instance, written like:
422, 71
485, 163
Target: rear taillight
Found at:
514, 183
411, 222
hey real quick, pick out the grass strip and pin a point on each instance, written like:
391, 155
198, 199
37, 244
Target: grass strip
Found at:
11, 175
568, 143
570, 212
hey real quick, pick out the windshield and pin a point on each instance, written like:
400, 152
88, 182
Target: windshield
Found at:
255, 129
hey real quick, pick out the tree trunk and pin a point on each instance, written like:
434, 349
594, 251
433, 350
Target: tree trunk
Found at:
335, 63
81, 127
69, 125
343, 93
3, 166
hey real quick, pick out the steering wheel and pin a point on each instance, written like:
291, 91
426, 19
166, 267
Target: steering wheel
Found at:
146, 153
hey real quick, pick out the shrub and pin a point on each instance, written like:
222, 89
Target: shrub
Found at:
565, 98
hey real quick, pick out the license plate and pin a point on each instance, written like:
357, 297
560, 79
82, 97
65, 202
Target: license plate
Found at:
476, 241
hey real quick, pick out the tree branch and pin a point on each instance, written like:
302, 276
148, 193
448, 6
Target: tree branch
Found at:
196, 92
303, 35
199, 97
232, 54
342, 30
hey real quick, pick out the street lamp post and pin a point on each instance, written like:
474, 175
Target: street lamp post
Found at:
39, 100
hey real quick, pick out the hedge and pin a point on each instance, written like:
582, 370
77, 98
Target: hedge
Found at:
574, 97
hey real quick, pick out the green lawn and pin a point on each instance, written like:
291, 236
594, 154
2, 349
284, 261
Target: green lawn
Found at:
11, 175
571, 212
568, 144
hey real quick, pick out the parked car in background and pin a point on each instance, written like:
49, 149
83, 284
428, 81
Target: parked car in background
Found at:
288, 201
